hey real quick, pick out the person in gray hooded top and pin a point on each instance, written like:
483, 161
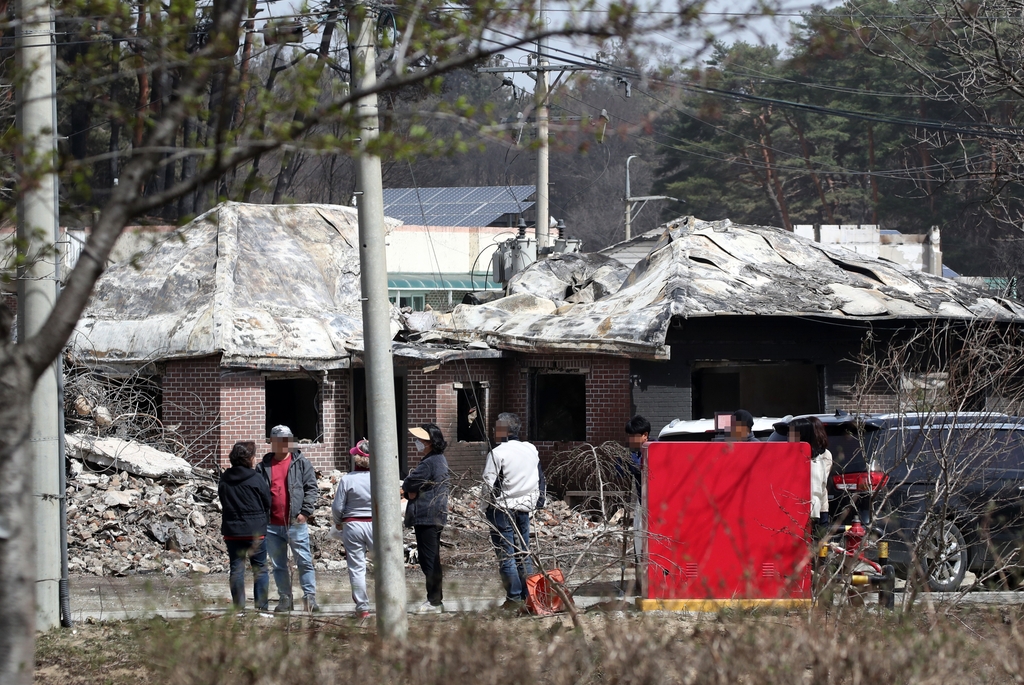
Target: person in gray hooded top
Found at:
352, 513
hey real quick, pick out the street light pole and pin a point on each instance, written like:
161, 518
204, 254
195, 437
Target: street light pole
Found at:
389, 566
629, 199
629, 202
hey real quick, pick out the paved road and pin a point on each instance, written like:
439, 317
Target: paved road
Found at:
113, 599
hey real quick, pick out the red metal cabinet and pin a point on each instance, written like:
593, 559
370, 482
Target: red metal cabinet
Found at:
726, 521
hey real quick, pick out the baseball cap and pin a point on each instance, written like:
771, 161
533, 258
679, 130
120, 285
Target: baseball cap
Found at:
743, 416
281, 432
361, 449
419, 432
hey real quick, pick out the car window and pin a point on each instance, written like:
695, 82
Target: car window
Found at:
847, 448
995, 449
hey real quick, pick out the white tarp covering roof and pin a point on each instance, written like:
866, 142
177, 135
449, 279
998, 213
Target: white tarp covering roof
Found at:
701, 268
274, 286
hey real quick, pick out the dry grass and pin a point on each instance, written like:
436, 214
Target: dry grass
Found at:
974, 646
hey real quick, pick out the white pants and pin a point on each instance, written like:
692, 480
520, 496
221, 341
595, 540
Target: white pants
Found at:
357, 537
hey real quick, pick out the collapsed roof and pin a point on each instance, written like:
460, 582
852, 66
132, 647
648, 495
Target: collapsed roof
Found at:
698, 269
272, 286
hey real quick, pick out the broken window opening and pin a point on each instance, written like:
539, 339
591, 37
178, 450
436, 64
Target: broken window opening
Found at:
558, 407
472, 411
296, 403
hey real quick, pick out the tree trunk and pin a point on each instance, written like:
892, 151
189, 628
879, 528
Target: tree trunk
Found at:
23, 363
795, 125
17, 532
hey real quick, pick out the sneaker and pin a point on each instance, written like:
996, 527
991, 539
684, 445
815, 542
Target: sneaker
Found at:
428, 608
309, 605
360, 615
283, 604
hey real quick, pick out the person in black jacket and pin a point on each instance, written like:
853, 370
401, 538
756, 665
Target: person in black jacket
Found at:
426, 487
245, 502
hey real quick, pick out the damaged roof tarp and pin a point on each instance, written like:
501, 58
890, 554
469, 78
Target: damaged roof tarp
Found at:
573, 277
266, 286
701, 268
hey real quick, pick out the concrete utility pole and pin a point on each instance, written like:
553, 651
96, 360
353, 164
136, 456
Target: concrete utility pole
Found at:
543, 225
643, 198
389, 567
38, 287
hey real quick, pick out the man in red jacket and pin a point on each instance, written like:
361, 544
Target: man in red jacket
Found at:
293, 496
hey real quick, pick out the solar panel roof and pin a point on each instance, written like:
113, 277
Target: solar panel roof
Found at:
479, 206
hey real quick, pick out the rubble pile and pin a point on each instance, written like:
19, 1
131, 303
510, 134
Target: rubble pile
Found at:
122, 523
556, 526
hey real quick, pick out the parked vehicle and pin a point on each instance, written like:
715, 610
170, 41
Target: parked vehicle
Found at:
948, 486
704, 429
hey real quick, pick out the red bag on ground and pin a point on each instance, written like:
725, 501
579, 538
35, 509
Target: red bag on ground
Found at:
541, 598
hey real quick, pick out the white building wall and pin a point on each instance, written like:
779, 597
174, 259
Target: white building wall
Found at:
443, 249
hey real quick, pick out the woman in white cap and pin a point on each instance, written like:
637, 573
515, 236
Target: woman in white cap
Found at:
426, 488
352, 513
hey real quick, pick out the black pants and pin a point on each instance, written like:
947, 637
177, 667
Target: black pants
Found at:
428, 544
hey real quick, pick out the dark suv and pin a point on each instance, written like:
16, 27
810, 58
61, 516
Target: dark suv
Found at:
950, 486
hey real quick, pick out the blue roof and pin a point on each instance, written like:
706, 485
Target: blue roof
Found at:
479, 206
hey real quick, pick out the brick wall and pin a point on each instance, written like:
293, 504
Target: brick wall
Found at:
661, 392
432, 398
332, 452
841, 392
215, 407
242, 411
11, 300
191, 400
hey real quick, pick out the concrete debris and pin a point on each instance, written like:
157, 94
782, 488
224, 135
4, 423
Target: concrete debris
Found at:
126, 455
555, 525
120, 524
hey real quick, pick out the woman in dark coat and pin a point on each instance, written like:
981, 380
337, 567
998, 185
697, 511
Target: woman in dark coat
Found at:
426, 487
245, 503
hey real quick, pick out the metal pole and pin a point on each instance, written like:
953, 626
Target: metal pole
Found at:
629, 200
389, 567
37, 289
543, 214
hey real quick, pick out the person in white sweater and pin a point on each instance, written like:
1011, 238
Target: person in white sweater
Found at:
513, 487
812, 431
352, 514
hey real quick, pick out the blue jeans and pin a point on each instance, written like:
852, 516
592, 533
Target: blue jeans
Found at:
296, 536
255, 552
510, 537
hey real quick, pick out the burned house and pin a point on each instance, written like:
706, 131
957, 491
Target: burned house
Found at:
250, 316
718, 316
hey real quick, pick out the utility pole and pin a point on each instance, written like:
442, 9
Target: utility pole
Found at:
38, 286
543, 225
389, 567
542, 228
629, 199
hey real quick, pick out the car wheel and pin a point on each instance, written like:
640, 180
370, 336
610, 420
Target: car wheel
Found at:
945, 557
